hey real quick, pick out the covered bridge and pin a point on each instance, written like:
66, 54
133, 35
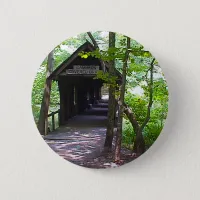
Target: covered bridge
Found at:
77, 87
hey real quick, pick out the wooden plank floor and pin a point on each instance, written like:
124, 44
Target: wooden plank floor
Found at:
81, 140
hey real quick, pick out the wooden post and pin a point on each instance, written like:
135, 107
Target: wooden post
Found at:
59, 123
100, 96
92, 95
53, 121
96, 92
43, 119
62, 111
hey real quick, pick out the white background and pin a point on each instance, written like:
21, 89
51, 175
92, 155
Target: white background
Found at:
29, 170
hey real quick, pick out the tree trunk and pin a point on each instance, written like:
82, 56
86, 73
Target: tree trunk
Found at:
139, 143
121, 106
111, 102
43, 118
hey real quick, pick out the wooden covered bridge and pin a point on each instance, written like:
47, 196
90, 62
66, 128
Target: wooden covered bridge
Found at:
79, 91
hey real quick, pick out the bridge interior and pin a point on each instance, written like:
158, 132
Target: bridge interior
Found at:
80, 93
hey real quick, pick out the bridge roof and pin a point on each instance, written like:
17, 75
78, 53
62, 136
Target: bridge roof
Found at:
85, 47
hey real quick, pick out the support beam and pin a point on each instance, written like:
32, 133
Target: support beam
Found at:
43, 119
97, 97
62, 103
91, 95
100, 95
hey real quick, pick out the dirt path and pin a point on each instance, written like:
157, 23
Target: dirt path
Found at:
81, 141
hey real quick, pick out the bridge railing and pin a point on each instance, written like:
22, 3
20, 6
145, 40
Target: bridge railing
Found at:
53, 119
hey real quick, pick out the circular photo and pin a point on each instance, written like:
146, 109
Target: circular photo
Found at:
100, 99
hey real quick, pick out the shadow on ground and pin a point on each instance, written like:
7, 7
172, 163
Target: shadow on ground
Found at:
81, 141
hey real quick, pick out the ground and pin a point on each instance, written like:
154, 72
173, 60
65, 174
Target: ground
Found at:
81, 140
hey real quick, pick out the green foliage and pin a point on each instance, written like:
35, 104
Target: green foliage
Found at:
61, 53
38, 90
107, 78
128, 134
151, 133
138, 104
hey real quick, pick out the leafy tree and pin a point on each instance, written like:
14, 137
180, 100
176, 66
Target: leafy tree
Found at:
121, 103
140, 72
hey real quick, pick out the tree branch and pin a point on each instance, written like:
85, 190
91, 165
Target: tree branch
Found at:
103, 64
93, 40
132, 118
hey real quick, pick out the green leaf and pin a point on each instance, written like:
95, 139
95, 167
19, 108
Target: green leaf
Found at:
84, 56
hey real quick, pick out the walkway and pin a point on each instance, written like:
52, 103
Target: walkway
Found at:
81, 141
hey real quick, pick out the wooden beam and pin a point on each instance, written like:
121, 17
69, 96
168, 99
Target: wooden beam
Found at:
43, 119
53, 122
